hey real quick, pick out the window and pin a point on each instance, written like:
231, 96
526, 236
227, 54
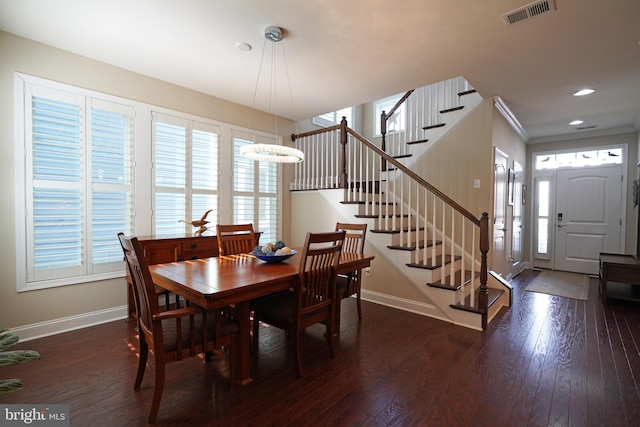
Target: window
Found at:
542, 216
595, 157
77, 191
255, 191
186, 173
80, 181
334, 118
395, 123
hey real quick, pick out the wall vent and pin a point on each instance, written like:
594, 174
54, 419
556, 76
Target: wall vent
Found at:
529, 11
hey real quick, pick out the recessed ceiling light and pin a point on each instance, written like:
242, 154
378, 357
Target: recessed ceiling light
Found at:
576, 122
245, 47
584, 92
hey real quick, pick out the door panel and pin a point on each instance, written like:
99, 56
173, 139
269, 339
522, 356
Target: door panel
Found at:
588, 217
499, 212
516, 221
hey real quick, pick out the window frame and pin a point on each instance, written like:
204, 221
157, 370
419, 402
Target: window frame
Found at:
142, 180
386, 104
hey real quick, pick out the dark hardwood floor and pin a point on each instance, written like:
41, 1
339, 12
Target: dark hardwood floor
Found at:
547, 361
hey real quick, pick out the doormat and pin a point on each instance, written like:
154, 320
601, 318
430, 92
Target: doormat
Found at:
562, 284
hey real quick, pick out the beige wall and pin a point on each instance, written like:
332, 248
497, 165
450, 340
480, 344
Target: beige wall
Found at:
22, 55
313, 213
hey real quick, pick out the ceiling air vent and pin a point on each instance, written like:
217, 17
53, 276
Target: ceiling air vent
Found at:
586, 127
529, 11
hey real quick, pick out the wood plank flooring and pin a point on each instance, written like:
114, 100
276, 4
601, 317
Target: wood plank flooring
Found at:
547, 361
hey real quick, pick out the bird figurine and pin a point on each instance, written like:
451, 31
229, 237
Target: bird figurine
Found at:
201, 223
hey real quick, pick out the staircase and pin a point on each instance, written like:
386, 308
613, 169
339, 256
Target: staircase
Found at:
431, 240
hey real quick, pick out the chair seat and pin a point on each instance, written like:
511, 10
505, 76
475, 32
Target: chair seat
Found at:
276, 307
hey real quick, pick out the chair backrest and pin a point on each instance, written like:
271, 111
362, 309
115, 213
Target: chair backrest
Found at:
317, 271
235, 239
143, 287
354, 237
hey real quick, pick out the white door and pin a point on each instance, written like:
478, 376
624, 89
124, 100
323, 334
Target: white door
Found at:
515, 191
588, 217
498, 247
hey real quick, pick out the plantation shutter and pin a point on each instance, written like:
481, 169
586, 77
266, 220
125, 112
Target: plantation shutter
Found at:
186, 173
255, 192
78, 183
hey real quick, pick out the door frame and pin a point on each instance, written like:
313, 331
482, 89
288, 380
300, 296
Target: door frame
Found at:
550, 174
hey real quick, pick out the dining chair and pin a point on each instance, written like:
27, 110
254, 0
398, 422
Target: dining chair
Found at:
312, 298
235, 239
174, 334
350, 284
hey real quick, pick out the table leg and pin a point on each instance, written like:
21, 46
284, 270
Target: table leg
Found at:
243, 352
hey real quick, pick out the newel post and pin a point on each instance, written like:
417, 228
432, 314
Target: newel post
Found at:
383, 132
483, 297
343, 153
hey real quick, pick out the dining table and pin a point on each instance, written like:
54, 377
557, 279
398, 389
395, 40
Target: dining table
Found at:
217, 282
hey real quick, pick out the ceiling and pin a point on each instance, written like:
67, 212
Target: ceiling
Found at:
343, 53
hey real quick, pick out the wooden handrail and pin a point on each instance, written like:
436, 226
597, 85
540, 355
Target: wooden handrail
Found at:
416, 178
315, 132
482, 223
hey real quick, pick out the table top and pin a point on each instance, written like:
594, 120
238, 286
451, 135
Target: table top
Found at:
219, 281
610, 258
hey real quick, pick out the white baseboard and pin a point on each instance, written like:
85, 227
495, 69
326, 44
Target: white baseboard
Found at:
66, 324
421, 308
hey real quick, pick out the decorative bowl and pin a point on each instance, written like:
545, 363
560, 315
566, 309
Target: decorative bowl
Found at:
274, 258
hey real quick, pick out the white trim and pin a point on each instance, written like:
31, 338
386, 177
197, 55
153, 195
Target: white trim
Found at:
403, 304
71, 323
510, 118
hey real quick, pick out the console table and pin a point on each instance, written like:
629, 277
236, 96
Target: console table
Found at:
161, 249
619, 277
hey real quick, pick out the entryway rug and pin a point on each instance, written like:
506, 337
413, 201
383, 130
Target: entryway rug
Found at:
562, 284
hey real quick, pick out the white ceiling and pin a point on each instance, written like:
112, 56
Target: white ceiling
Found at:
342, 53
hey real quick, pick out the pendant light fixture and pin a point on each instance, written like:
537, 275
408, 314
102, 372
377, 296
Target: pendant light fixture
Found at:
272, 152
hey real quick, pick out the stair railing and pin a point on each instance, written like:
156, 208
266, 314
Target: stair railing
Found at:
400, 202
423, 109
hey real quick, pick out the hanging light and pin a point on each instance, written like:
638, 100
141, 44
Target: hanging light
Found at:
272, 152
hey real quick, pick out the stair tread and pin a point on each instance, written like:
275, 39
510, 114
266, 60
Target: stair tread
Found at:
450, 110
430, 243
430, 266
494, 295
421, 141
457, 281
467, 92
397, 230
439, 125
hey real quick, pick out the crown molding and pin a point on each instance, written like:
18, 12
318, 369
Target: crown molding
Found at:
510, 118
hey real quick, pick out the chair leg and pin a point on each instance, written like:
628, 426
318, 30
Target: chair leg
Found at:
359, 305
296, 347
157, 391
142, 363
254, 338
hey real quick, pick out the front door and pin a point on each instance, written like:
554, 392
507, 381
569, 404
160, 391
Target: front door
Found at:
588, 217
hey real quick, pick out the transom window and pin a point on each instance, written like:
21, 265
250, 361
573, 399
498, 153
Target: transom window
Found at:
608, 156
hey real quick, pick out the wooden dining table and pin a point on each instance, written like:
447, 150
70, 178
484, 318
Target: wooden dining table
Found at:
217, 282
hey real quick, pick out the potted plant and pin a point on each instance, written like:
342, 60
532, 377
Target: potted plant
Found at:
14, 357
